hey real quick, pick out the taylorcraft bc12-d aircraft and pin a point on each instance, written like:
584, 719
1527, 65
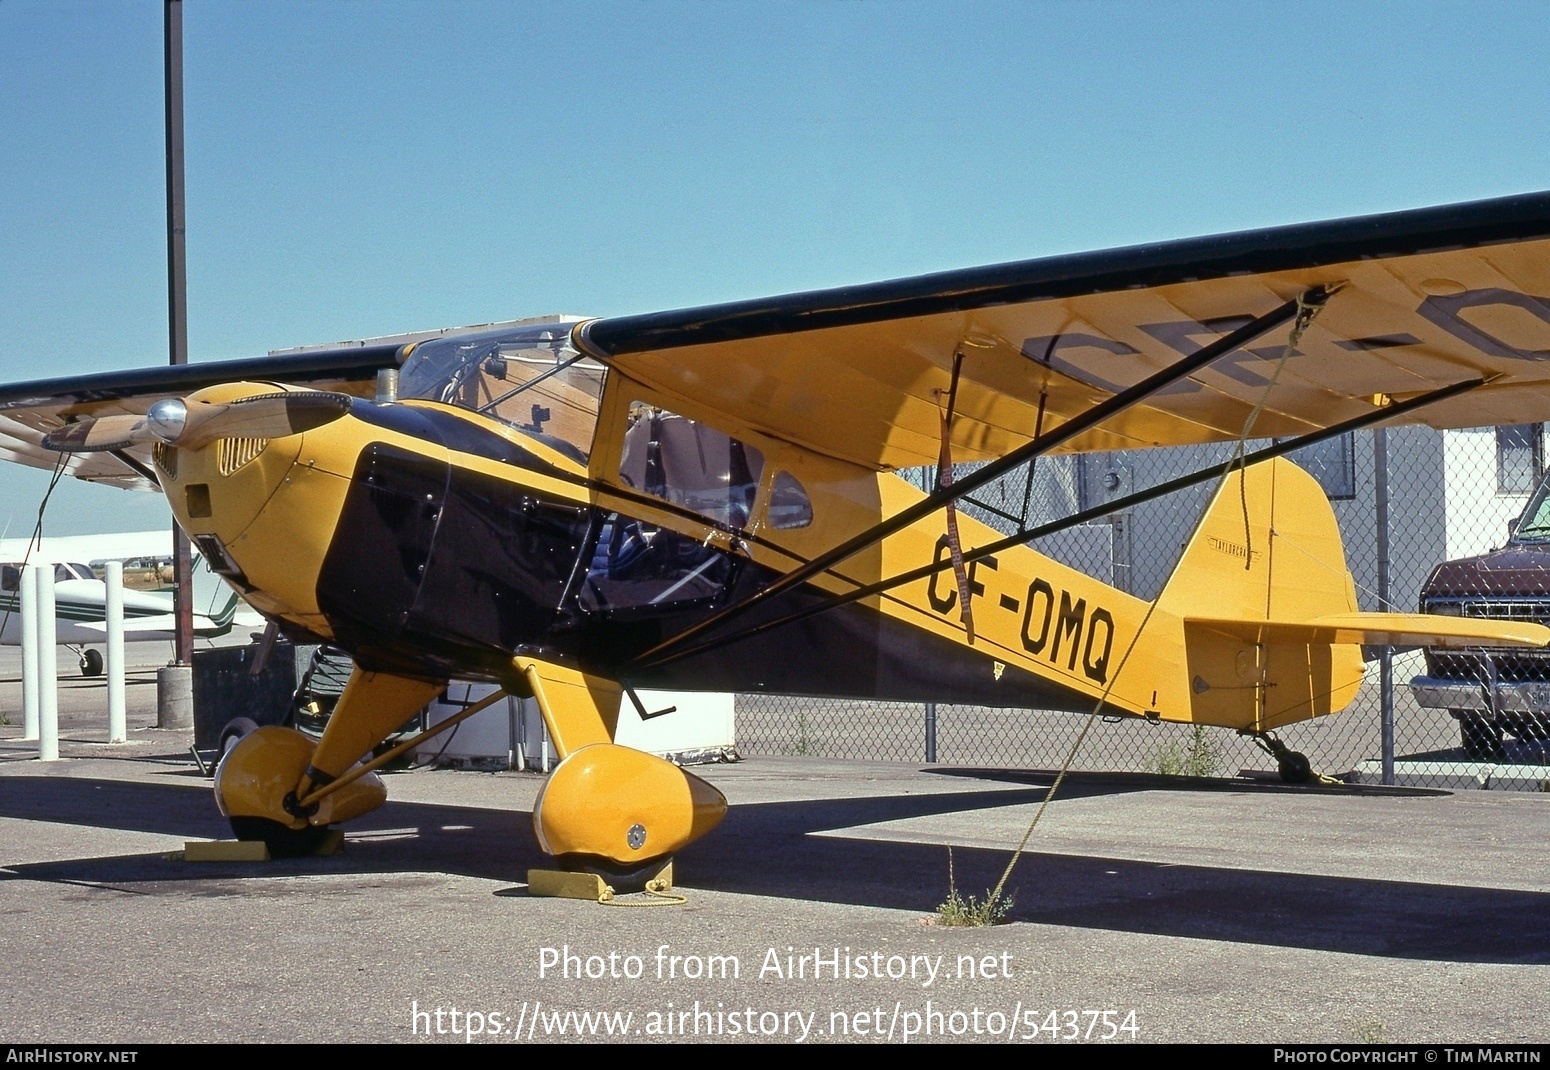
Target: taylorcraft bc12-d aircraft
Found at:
705, 499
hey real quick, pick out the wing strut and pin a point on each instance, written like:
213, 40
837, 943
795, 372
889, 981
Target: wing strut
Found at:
135, 466
1041, 444
944, 479
1029, 535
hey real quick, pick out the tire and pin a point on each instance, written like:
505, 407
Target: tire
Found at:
235, 729
1295, 768
1481, 738
1532, 728
282, 842
91, 662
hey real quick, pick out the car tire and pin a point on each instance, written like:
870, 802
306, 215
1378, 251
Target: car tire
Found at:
1532, 728
1480, 736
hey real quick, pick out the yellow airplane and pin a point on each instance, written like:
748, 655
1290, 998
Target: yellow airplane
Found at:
705, 499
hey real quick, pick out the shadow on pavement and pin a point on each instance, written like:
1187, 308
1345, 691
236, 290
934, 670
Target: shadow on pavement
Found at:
769, 849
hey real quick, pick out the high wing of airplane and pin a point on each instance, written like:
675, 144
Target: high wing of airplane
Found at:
705, 499
80, 595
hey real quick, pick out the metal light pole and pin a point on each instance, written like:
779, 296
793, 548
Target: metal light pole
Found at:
177, 300
174, 683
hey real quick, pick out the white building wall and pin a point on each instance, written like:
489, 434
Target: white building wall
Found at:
1477, 514
700, 729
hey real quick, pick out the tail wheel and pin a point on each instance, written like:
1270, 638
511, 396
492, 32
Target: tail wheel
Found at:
1294, 767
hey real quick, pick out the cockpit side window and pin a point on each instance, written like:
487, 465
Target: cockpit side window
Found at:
690, 464
789, 506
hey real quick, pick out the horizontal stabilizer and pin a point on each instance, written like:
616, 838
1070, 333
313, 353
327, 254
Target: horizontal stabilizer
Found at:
1383, 629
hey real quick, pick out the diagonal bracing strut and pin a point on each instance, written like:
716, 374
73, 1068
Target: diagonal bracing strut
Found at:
1023, 537
1039, 445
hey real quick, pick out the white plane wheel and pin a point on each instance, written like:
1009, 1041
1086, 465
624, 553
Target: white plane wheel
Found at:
91, 662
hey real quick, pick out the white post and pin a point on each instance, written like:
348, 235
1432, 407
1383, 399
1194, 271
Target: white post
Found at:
48, 665
511, 732
29, 592
521, 733
118, 727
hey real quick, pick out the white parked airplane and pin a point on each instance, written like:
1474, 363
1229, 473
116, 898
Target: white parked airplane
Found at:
80, 596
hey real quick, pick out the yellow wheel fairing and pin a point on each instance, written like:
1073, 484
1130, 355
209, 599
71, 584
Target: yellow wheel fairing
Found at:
257, 774
604, 801
611, 802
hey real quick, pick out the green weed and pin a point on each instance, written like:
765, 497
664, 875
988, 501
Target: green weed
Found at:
1202, 756
1368, 1032
961, 910
804, 742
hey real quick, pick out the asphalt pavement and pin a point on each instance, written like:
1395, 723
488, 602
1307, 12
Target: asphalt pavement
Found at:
1146, 908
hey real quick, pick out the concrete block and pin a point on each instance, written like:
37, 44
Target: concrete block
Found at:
175, 696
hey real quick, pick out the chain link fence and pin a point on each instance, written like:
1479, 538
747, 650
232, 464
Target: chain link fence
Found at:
1407, 500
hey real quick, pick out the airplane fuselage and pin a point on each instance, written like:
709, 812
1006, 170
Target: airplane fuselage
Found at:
78, 603
433, 542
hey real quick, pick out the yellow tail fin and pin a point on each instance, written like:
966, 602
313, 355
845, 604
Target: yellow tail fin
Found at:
1287, 563
1272, 634
1237, 580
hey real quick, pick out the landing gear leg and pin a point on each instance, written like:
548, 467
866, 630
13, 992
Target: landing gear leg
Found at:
262, 779
608, 810
1293, 766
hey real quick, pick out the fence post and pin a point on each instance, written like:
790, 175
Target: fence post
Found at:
931, 733
1380, 458
118, 721
29, 581
48, 665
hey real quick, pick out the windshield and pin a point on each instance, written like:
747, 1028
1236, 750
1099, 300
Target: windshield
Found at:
1535, 523
528, 377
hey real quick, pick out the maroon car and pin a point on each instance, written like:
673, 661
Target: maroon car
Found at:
1494, 690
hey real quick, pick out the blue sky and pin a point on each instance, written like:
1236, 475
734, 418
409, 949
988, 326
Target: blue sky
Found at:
357, 169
